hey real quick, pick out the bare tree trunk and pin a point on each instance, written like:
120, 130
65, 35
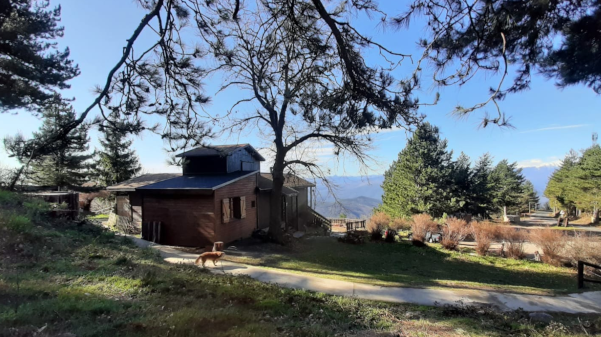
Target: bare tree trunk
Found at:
277, 172
16, 178
595, 218
505, 218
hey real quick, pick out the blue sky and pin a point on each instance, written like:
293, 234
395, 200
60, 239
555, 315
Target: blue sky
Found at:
548, 121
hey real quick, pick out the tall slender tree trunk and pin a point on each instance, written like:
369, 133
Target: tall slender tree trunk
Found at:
595, 218
15, 179
505, 218
277, 172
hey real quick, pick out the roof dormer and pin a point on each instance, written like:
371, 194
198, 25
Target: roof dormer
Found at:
219, 159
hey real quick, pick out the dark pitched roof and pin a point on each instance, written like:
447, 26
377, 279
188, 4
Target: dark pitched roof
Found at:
143, 180
220, 150
291, 180
197, 182
267, 184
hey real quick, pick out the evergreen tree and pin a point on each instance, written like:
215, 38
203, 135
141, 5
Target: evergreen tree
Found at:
462, 199
529, 197
31, 69
507, 182
116, 162
420, 180
66, 165
587, 181
482, 185
560, 188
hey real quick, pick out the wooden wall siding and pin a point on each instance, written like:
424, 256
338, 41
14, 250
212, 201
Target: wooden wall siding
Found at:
303, 198
135, 200
236, 228
291, 213
130, 206
242, 160
264, 206
202, 165
188, 220
292, 218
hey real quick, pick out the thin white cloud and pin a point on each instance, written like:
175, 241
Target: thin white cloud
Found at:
575, 126
538, 163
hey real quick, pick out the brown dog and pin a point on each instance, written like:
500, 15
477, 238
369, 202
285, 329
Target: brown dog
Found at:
212, 256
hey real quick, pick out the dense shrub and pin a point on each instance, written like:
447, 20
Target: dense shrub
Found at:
514, 240
400, 224
583, 247
454, 231
552, 242
378, 222
484, 233
420, 226
36, 208
19, 223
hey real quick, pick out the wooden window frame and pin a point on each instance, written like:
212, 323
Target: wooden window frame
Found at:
236, 209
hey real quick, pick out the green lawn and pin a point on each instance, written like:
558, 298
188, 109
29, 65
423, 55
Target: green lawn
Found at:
401, 264
61, 277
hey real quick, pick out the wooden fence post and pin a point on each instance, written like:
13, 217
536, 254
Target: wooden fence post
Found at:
580, 275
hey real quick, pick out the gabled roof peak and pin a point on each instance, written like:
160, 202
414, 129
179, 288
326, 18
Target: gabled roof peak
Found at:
220, 150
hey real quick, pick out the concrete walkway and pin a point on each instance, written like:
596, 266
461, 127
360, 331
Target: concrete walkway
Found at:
589, 302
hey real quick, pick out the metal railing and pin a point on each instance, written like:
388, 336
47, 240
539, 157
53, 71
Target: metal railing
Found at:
581, 278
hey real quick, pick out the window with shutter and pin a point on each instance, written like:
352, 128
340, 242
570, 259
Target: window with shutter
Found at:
242, 207
225, 210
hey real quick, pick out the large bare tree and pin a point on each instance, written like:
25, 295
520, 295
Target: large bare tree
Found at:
286, 60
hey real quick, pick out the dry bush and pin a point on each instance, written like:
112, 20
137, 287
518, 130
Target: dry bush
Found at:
484, 233
420, 226
583, 247
378, 222
400, 224
454, 231
514, 240
552, 242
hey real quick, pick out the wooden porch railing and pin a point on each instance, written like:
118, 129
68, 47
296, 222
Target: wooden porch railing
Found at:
351, 224
320, 220
581, 278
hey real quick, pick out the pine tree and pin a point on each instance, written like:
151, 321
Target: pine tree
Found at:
507, 182
560, 188
67, 164
587, 181
482, 185
420, 180
31, 69
462, 199
116, 162
529, 196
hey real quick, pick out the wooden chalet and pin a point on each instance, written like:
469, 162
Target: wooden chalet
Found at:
219, 196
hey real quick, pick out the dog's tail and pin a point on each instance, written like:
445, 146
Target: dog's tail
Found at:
197, 262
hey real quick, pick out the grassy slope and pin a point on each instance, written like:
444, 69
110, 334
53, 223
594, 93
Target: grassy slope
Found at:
60, 277
402, 264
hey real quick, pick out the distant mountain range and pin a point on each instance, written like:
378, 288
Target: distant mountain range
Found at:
359, 195
355, 208
539, 177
